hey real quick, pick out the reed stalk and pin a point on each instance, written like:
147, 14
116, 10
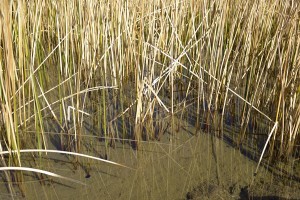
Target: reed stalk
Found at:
193, 61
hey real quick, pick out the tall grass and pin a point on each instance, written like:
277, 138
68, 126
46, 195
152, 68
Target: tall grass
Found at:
226, 59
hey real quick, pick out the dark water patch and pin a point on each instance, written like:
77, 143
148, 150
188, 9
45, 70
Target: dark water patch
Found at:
245, 195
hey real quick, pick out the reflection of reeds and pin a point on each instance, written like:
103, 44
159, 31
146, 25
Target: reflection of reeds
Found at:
229, 57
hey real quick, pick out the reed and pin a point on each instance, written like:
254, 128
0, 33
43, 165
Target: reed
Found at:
138, 62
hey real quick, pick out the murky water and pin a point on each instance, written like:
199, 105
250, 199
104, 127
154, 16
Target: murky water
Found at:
179, 166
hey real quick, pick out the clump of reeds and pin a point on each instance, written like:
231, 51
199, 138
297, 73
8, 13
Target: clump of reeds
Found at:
138, 61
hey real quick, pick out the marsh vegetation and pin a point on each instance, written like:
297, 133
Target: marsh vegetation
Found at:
158, 91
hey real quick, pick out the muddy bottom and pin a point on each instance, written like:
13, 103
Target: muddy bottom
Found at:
179, 166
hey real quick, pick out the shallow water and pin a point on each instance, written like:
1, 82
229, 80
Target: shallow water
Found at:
179, 166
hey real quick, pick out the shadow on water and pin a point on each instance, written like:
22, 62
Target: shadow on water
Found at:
244, 195
251, 147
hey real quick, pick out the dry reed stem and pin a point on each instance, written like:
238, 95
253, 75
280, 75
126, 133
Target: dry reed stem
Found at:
231, 55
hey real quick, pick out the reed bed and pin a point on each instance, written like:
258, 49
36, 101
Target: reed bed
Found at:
132, 65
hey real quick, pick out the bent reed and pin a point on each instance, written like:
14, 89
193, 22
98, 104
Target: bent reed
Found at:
130, 64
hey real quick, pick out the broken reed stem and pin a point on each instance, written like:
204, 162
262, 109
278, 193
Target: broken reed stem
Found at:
233, 56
